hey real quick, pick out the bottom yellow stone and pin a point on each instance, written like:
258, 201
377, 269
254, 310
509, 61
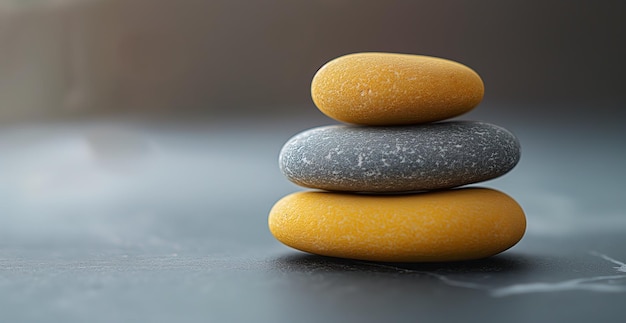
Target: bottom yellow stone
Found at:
451, 225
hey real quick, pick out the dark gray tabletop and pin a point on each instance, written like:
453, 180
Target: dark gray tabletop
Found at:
121, 219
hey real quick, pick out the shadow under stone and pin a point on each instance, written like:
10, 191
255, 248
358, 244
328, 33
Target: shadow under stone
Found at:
505, 263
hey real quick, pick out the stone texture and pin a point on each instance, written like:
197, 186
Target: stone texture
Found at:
395, 89
399, 159
449, 225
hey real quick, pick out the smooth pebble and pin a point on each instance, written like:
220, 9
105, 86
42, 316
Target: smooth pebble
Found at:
395, 89
398, 159
452, 225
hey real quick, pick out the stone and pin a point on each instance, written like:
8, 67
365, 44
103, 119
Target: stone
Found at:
395, 89
452, 225
398, 159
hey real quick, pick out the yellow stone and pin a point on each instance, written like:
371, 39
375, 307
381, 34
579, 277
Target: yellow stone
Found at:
452, 225
395, 89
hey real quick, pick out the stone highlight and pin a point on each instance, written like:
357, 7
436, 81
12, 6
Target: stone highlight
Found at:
452, 225
399, 159
395, 89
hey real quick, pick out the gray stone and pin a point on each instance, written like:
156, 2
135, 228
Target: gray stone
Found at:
399, 159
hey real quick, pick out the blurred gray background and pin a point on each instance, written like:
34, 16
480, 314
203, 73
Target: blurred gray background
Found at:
91, 57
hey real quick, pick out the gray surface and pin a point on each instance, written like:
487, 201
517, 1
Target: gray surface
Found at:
399, 159
166, 221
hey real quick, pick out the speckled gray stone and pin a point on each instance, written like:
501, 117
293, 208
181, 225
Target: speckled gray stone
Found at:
399, 159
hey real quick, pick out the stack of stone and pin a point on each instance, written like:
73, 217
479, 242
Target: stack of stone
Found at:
387, 180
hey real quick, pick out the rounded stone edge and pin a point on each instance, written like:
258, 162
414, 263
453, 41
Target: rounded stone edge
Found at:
316, 96
407, 259
308, 184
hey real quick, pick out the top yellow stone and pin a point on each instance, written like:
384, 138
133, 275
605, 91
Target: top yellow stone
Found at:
395, 89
